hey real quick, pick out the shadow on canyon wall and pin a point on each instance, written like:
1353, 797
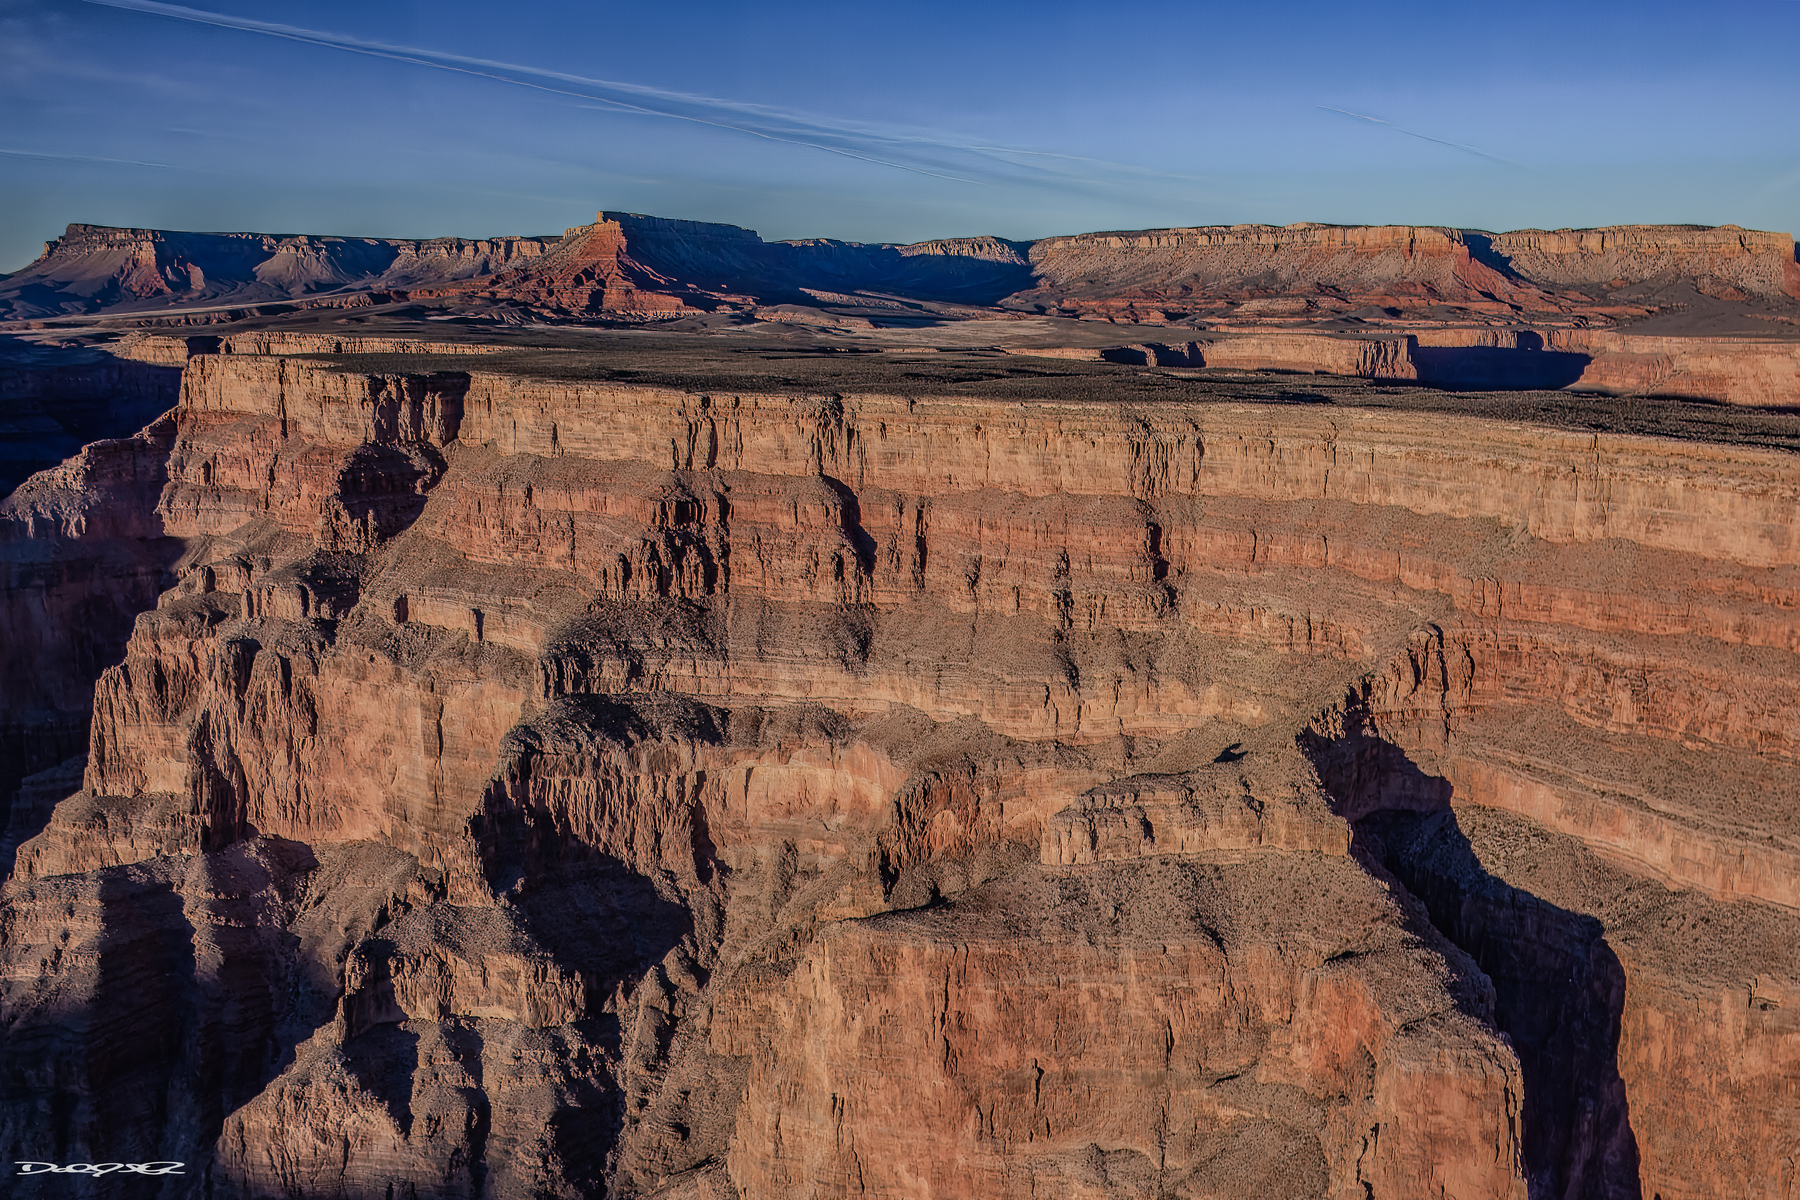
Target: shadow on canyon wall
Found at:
604, 919
1559, 989
68, 605
1481, 249
54, 402
192, 1007
66, 610
979, 279
1526, 367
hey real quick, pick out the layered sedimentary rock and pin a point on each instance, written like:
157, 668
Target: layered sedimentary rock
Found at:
1749, 371
534, 787
1321, 270
81, 554
1747, 261
1145, 274
54, 402
630, 264
1525, 310
93, 268
169, 350
633, 264
973, 271
1763, 371
1370, 358
636, 265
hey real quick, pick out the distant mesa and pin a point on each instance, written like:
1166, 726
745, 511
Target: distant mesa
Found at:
94, 268
630, 267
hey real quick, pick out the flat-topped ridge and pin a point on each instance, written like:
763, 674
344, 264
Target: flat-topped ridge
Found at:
635, 267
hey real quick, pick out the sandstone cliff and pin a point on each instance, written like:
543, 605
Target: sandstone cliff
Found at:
631, 266
636, 265
93, 268
1162, 275
1717, 260
53, 401
1763, 372
535, 786
81, 552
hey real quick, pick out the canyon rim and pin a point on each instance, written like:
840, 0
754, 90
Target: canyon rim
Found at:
1302, 711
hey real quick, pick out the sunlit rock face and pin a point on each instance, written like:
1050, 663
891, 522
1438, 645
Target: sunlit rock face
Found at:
513, 786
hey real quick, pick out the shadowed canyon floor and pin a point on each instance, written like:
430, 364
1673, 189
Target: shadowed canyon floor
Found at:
625, 762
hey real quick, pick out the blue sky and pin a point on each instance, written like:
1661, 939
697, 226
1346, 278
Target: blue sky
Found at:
890, 122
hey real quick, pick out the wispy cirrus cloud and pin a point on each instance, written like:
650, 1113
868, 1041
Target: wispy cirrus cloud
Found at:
90, 158
1463, 146
920, 151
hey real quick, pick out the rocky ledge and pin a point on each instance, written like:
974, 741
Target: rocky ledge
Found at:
513, 784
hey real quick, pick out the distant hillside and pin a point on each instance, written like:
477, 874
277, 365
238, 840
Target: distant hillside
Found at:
629, 266
93, 268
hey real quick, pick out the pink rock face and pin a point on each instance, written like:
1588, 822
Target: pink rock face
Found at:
1762, 371
531, 787
81, 554
94, 267
992, 1047
1638, 310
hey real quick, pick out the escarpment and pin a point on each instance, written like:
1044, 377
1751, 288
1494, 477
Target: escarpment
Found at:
82, 552
1698, 312
522, 786
92, 268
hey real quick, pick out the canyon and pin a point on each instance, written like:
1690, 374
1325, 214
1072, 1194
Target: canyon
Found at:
631, 264
699, 746
1710, 313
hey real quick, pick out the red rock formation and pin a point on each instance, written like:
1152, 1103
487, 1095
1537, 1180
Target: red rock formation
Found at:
694, 792
93, 268
637, 266
634, 265
81, 554
1763, 371
1148, 274
1726, 257
1154, 275
1751, 371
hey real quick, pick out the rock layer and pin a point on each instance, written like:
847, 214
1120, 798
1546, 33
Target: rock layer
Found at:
1526, 310
93, 267
546, 786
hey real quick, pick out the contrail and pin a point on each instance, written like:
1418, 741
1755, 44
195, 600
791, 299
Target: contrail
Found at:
865, 143
1422, 137
491, 69
94, 158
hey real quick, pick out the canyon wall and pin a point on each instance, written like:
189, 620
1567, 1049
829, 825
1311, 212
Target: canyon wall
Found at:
92, 268
1154, 276
1143, 273
1716, 258
532, 787
81, 553
1763, 372
632, 267
1304, 270
52, 404
630, 264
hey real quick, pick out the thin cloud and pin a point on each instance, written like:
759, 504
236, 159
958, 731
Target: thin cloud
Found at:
645, 101
921, 152
1463, 146
91, 158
